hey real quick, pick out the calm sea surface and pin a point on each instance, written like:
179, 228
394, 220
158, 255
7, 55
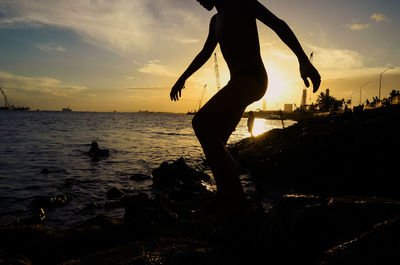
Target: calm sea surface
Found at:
59, 141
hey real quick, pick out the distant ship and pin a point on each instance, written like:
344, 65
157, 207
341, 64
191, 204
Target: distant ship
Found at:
191, 112
67, 109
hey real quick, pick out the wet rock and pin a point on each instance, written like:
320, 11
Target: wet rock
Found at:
140, 210
307, 226
380, 245
44, 171
152, 251
15, 260
69, 183
114, 193
47, 246
139, 177
50, 201
178, 180
336, 155
36, 217
91, 206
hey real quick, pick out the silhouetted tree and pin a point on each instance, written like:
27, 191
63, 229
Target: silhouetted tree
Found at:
394, 93
328, 103
313, 107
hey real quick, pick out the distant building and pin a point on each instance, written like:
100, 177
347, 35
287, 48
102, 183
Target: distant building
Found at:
304, 98
288, 108
264, 104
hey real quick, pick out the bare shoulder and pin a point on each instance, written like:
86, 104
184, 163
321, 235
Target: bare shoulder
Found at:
265, 15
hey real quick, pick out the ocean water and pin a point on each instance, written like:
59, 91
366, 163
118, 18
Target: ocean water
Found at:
59, 141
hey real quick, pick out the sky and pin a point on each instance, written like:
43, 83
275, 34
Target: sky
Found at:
125, 55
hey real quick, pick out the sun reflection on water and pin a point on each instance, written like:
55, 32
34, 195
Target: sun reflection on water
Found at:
261, 126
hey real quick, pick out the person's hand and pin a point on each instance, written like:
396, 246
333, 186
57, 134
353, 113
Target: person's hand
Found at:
176, 90
307, 70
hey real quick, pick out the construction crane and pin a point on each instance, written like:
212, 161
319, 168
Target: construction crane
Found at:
202, 96
7, 104
217, 72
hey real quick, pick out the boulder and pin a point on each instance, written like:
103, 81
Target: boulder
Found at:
300, 228
45, 171
139, 177
114, 193
140, 210
179, 181
380, 245
330, 156
50, 201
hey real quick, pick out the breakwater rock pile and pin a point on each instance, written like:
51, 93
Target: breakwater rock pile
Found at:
331, 180
349, 153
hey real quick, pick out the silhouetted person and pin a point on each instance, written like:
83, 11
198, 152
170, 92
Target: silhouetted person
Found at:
250, 123
234, 29
96, 152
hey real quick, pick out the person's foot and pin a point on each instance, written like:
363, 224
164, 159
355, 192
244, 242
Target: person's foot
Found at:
236, 209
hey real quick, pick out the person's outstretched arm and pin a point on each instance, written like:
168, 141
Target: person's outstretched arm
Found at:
307, 70
198, 62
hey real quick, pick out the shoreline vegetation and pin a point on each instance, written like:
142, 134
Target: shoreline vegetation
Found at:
331, 180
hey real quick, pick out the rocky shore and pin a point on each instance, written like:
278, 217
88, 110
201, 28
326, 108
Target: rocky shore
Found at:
331, 181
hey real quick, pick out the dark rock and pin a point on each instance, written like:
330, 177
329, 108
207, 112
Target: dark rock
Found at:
91, 206
69, 183
335, 155
47, 246
152, 251
50, 202
15, 260
139, 177
380, 245
44, 171
36, 217
178, 180
114, 193
307, 226
140, 210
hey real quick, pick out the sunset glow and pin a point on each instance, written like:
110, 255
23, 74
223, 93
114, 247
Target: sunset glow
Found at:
125, 55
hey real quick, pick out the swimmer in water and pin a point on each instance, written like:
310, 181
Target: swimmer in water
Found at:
234, 28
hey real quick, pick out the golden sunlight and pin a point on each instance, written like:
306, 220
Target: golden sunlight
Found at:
260, 126
278, 84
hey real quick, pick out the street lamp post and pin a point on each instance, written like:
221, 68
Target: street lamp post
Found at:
351, 98
380, 81
366, 84
357, 91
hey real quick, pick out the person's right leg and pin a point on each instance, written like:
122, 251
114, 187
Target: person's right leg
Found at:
213, 125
